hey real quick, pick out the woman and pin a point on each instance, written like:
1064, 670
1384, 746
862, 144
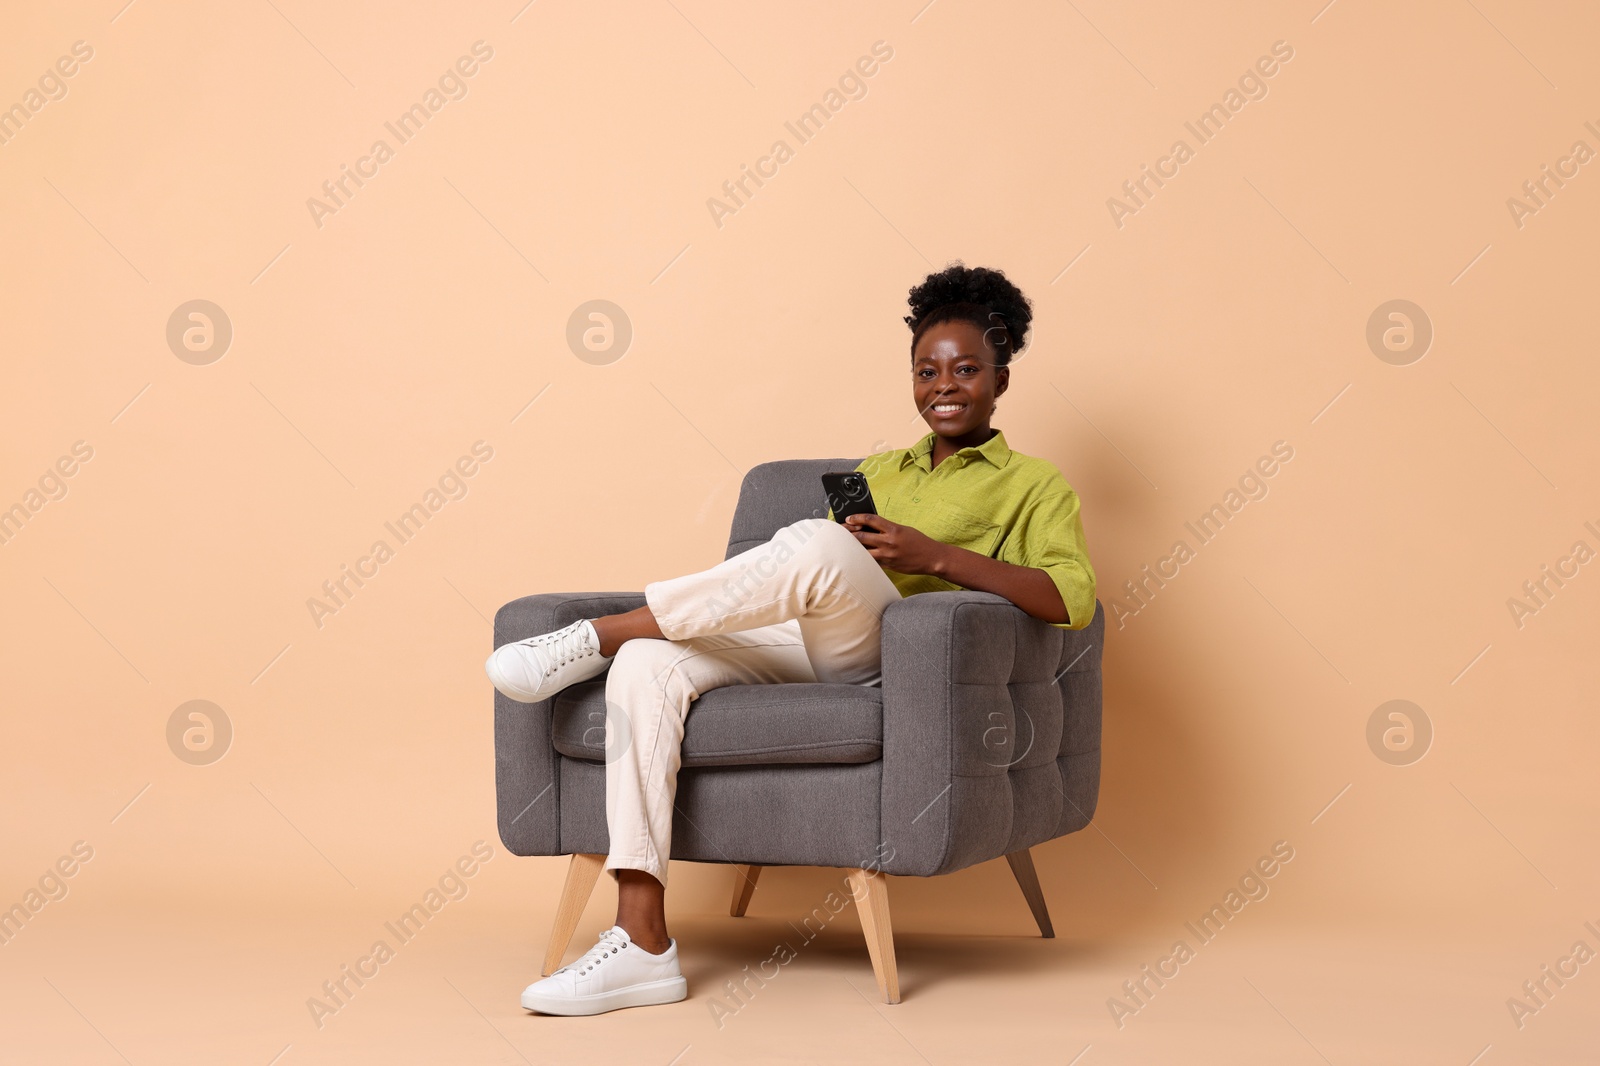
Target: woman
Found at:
959, 509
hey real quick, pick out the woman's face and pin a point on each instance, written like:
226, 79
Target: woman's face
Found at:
954, 379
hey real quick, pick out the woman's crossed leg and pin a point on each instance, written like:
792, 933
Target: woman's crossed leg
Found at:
806, 605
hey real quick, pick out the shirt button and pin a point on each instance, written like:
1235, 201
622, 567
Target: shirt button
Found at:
916, 499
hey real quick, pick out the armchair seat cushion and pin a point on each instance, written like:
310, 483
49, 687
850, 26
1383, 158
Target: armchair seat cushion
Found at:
743, 725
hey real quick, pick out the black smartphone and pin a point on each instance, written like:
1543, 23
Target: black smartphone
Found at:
848, 494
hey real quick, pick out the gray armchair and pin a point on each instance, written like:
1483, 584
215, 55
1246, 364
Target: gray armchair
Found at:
983, 741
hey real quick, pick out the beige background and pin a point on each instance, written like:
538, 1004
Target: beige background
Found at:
1228, 313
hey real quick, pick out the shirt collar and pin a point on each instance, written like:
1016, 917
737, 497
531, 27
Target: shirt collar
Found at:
994, 450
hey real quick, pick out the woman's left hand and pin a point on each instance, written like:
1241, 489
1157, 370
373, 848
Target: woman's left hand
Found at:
901, 548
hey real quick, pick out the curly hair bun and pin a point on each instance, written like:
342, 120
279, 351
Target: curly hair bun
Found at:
986, 298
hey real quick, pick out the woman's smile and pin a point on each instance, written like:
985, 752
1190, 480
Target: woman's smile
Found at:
955, 379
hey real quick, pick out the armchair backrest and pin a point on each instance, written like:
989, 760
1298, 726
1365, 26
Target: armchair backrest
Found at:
777, 493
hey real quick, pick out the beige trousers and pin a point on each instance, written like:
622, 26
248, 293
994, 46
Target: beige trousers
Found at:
805, 606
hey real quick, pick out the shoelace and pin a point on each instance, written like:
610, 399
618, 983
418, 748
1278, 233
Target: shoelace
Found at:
610, 943
558, 650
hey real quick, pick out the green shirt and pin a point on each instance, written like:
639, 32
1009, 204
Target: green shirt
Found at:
994, 501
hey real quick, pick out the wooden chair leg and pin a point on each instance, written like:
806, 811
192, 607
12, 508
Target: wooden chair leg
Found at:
582, 873
871, 892
744, 884
1028, 878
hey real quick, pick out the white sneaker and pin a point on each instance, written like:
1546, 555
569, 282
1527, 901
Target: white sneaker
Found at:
537, 668
614, 973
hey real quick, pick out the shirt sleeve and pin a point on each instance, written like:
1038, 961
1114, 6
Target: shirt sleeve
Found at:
1049, 536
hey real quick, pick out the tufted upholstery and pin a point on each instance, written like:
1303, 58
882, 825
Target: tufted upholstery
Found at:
983, 740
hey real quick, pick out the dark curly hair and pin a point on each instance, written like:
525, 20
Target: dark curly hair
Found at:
986, 298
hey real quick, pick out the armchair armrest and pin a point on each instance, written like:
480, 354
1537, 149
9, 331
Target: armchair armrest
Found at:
980, 701
525, 760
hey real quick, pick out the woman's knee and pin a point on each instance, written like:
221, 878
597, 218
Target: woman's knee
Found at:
822, 535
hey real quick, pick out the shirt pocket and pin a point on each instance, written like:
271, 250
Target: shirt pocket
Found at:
954, 524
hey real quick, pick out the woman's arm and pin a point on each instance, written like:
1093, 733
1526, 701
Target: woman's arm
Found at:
1026, 586
910, 551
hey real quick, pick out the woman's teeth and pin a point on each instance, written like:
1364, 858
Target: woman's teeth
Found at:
948, 408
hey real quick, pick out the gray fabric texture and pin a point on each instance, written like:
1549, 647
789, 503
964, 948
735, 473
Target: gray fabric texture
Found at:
743, 725
777, 493
983, 739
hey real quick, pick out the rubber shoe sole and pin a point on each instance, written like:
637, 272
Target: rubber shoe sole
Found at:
646, 994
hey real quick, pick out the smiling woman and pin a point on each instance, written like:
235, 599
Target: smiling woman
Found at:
957, 510
960, 508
